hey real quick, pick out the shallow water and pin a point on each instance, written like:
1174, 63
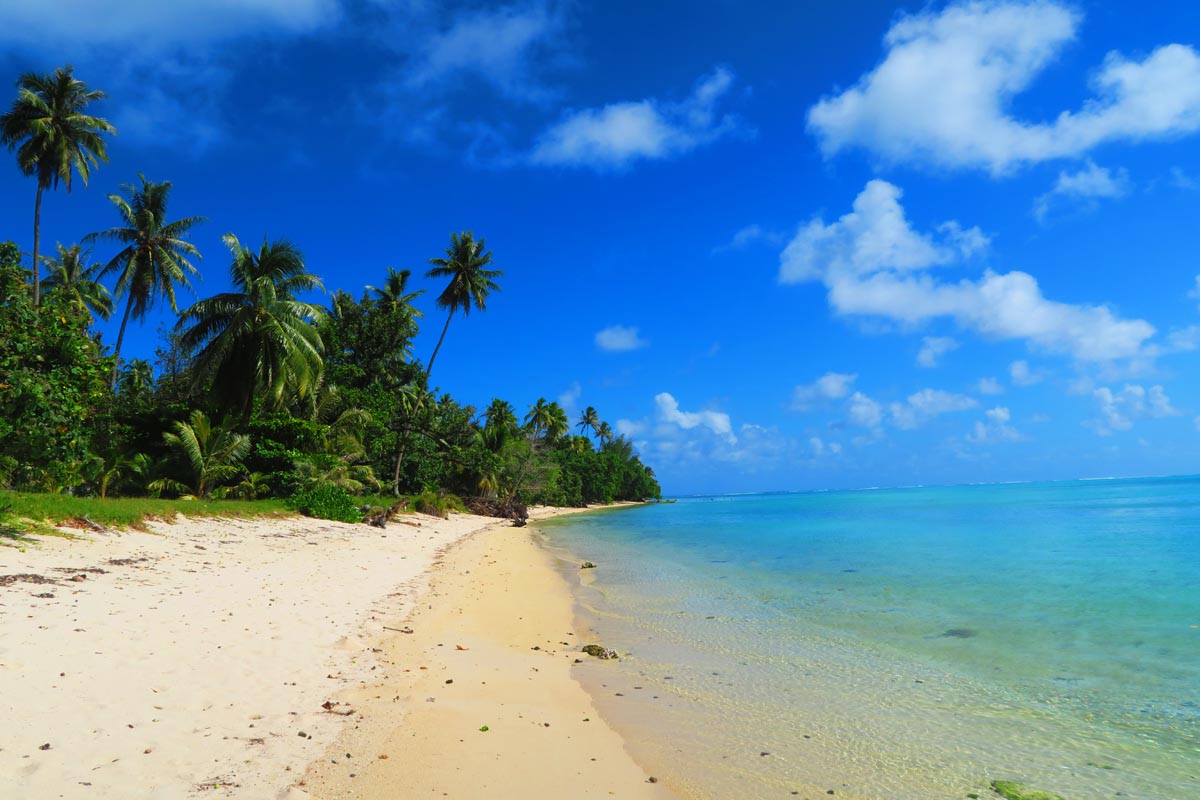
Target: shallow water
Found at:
911, 643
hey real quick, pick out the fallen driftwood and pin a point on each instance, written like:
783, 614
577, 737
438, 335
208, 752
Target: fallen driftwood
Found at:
380, 517
491, 507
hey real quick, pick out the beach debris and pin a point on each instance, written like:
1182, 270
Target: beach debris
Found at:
652, 779
599, 651
1011, 790
484, 728
587, 565
46, 746
9, 580
460, 647
398, 630
383, 756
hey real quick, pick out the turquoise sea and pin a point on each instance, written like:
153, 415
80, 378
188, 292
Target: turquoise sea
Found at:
902, 643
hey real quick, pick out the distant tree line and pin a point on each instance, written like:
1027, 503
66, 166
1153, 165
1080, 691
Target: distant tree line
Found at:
257, 391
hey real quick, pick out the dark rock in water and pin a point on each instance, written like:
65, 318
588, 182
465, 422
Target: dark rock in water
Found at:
1011, 790
849, 570
599, 652
587, 565
958, 633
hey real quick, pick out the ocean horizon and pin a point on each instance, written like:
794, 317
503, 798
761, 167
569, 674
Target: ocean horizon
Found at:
914, 642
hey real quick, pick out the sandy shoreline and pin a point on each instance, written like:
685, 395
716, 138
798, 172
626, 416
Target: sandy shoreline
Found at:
194, 661
188, 661
492, 645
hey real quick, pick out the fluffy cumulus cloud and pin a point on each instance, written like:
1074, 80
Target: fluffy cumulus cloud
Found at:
989, 386
620, 134
830, 386
933, 348
715, 421
1118, 410
995, 427
497, 44
619, 338
818, 448
1082, 188
864, 412
1022, 374
942, 94
926, 404
874, 264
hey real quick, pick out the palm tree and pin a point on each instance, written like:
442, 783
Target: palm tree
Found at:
589, 420
258, 339
155, 255
70, 275
538, 418
53, 138
470, 284
211, 455
414, 405
395, 294
604, 433
557, 423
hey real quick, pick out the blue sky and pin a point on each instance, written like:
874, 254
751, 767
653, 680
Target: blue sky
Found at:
780, 246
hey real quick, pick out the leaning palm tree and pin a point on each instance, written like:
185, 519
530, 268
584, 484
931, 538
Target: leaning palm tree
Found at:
258, 340
589, 420
155, 255
470, 284
604, 433
76, 280
211, 455
394, 293
53, 138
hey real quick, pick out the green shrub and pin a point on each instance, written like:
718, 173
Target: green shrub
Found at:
437, 504
326, 502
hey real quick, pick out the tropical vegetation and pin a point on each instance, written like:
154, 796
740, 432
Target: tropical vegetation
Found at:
274, 391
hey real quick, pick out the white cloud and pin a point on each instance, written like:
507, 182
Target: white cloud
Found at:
933, 348
1022, 375
570, 397
1195, 291
497, 45
865, 412
629, 428
1089, 184
619, 338
619, 134
715, 421
1196, 422
943, 91
153, 25
874, 264
750, 234
989, 386
830, 386
995, 428
926, 404
820, 449
1118, 410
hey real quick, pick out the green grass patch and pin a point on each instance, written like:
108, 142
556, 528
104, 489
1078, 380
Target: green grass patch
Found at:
26, 512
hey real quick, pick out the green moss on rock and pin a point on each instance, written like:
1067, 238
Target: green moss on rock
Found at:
1011, 790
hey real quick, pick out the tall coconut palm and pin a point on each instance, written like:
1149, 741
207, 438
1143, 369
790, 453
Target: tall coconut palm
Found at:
53, 138
604, 433
258, 340
71, 275
470, 284
394, 292
589, 420
155, 255
558, 423
537, 421
211, 455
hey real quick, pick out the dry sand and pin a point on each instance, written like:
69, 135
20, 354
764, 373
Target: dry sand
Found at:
189, 660
492, 645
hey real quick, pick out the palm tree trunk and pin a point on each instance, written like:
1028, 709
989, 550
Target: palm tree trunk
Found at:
399, 462
37, 235
120, 338
439, 344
